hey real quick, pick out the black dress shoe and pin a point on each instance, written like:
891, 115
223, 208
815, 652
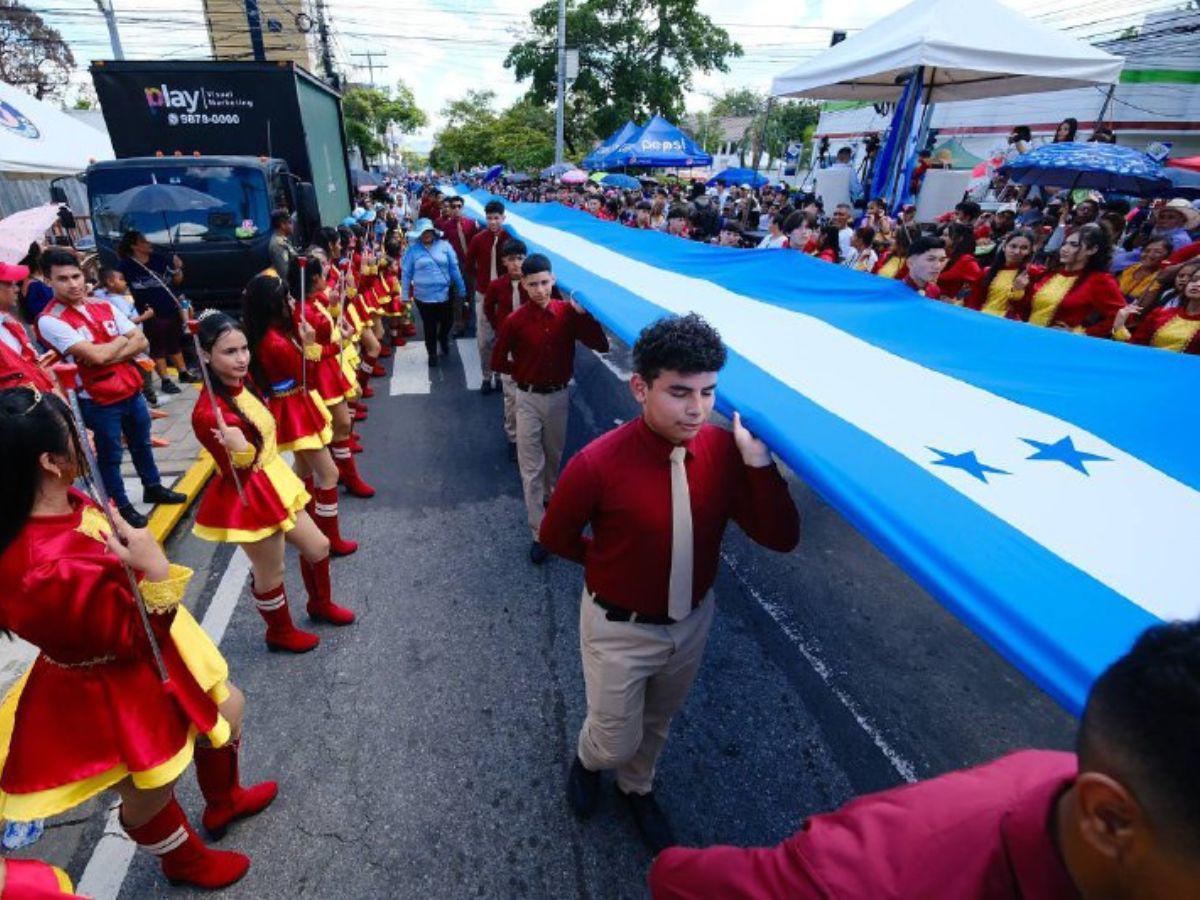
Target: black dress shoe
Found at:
160, 494
583, 789
170, 387
538, 554
132, 516
650, 821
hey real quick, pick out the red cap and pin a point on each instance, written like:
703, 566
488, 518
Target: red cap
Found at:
9, 272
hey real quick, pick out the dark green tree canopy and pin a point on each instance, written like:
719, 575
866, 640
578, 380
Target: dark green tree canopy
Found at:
636, 58
521, 136
369, 113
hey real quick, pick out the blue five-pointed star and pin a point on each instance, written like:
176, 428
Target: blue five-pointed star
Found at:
968, 462
1064, 451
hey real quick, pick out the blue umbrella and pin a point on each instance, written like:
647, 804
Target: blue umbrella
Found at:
625, 182
1102, 167
739, 176
492, 174
160, 198
555, 170
1184, 183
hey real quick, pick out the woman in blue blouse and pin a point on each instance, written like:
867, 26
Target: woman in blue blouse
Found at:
431, 268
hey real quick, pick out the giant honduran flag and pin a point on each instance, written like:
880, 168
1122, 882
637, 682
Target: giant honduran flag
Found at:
1042, 485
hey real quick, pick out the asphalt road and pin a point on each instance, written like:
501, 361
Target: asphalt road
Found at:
421, 753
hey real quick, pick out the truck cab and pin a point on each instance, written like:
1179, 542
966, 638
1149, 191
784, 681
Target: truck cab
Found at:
222, 247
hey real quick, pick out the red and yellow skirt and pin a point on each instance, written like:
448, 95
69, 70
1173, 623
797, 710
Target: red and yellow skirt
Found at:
302, 420
274, 498
331, 381
67, 733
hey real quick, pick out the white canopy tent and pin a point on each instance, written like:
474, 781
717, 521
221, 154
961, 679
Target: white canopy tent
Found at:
39, 140
970, 49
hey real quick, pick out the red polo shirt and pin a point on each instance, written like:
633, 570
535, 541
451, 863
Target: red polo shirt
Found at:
620, 484
498, 299
541, 342
931, 290
458, 231
982, 833
479, 256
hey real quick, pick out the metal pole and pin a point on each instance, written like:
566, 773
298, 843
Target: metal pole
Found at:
110, 19
326, 50
562, 81
254, 21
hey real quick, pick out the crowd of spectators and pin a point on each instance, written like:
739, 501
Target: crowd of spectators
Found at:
1111, 267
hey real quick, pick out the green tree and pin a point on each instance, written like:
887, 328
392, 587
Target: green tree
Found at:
636, 58
370, 114
521, 136
33, 56
738, 102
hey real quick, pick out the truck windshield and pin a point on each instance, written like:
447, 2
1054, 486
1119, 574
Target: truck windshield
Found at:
185, 205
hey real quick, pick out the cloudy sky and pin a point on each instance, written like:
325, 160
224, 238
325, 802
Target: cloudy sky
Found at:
442, 48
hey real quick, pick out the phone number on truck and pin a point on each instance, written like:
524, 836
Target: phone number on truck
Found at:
204, 119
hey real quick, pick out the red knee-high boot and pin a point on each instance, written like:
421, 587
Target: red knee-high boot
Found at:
384, 352
327, 520
366, 368
320, 603
360, 410
226, 799
348, 470
183, 856
281, 633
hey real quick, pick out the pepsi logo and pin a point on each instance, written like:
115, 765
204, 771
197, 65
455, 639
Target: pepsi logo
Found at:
16, 122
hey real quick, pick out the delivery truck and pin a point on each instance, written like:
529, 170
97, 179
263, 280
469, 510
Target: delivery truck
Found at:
244, 138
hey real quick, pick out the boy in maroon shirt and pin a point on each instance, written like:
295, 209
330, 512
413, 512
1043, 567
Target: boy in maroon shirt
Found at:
1117, 820
657, 493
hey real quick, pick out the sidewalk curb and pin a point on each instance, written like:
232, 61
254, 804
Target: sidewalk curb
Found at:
164, 518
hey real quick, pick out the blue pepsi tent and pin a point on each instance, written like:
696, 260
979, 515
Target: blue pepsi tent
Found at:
595, 159
659, 144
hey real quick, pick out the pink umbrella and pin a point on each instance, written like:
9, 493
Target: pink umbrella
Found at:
574, 176
22, 228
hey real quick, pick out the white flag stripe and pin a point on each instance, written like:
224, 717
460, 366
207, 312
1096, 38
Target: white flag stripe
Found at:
468, 352
410, 371
1082, 519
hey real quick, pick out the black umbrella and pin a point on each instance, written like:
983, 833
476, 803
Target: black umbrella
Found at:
162, 199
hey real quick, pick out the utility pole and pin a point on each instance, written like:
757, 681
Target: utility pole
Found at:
371, 65
254, 21
110, 19
562, 81
326, 50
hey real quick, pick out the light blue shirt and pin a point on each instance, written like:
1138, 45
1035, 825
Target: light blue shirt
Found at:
431, 271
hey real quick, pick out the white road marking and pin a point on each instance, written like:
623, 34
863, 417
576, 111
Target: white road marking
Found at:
468, 352
905, 768
110, 860
410, 372
224, 599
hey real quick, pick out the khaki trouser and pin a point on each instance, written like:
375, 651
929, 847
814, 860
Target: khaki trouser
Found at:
485, 337
510, 407
541, 434
637, 677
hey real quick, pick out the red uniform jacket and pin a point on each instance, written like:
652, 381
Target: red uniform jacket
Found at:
1155, 320
962, 272
498, 299
458, 231
1091, 304
106, 384
979, 291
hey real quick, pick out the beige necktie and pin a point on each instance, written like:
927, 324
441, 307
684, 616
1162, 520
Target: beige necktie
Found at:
679, 590
516, 303
495, 244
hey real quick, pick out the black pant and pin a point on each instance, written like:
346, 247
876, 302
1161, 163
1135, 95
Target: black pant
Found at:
436, 319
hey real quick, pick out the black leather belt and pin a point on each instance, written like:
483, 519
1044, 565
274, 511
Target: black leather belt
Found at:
540, 388
616, 613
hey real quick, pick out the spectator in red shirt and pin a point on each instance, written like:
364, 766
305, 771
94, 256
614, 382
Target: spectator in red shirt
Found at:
1116, 820
483, 254
536, 346
925, 261
962, 270
657, 493
829, 245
